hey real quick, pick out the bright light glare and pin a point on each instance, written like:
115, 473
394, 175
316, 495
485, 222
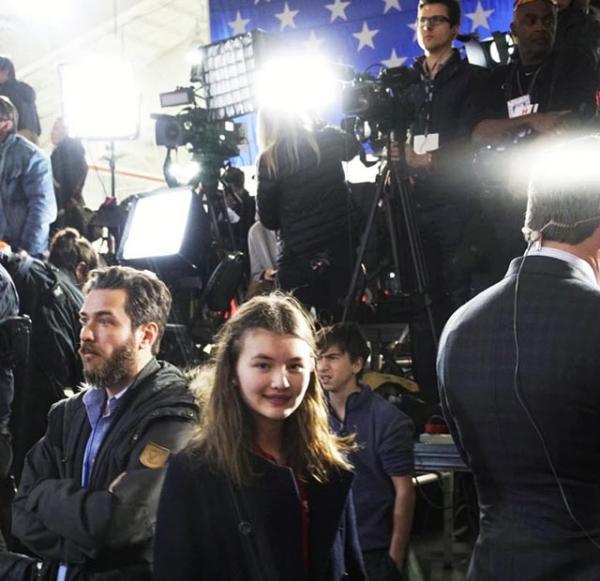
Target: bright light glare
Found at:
165, 212
194, 57
100, 99
184, 173
568, 166
296, 84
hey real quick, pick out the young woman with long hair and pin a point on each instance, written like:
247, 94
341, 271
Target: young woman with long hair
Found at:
262, 493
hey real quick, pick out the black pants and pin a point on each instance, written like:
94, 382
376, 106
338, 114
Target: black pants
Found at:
380, 567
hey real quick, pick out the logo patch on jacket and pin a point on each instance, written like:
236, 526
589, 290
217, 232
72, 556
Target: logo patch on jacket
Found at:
154, 456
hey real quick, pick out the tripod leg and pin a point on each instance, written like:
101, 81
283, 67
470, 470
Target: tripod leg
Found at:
351, 298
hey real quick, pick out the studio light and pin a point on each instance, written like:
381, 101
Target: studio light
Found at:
100, 99
297, 83
226, 72
162, 231
490, 52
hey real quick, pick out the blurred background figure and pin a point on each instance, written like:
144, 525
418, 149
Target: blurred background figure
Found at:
9, 307
27, 203
262, 252
69, 170
23, 97
302, 192
49, 293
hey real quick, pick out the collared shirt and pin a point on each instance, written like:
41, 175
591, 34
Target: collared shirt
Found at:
579, 263
384, 435
100, 413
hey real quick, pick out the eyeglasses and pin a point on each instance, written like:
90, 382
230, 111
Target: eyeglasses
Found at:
433, 21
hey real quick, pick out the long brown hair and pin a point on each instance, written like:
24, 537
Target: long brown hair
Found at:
226, 436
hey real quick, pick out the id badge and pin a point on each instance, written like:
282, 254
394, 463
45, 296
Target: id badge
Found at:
519, 106
426, 143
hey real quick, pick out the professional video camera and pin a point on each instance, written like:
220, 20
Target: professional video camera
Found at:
374, 106
192, 128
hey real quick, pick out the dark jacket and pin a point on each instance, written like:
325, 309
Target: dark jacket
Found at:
103, 536
447, 105
9, 307
201, 535
69, 169
27, 203
526, 533
310, 206
52, 302
565, 81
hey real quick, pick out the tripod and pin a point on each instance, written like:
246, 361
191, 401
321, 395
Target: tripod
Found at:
395, 175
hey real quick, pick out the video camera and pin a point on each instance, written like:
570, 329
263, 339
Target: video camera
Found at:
192, 128
373, 106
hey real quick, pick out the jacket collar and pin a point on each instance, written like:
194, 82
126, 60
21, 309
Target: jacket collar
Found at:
447, 69
547, 266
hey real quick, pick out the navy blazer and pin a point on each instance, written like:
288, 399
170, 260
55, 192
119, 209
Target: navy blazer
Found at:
210, 530
526, 532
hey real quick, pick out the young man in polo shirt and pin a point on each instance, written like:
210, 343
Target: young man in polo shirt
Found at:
383, 489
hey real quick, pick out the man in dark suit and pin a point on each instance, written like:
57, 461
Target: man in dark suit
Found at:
520, 386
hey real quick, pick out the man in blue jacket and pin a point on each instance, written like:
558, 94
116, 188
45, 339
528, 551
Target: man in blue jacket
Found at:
27, 202
383, 490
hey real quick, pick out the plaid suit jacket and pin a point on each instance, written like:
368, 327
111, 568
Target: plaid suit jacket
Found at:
526, 532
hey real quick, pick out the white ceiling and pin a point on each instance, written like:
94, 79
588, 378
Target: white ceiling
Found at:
154, 35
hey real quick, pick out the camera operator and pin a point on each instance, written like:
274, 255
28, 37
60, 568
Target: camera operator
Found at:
302, 193
439, 155
541, 92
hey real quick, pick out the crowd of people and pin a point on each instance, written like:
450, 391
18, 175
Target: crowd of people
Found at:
276, 461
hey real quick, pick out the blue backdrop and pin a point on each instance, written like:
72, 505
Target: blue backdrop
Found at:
359, 33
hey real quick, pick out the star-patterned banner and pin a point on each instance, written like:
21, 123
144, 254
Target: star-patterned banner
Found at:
359, 33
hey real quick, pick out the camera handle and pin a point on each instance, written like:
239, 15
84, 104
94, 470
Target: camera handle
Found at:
396, 167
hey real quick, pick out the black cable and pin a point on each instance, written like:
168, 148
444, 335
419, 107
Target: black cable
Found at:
517, 390
428, 500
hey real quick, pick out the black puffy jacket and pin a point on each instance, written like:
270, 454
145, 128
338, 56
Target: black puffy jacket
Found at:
310, 205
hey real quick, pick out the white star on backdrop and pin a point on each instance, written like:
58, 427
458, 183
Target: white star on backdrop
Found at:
414, 27
338, 9
480, 17
238, 26
287, 17
394, 60
257, 1
313, 43
389, 4
365, 37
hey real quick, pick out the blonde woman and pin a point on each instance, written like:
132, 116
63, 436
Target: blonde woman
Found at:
302, 193
263, 491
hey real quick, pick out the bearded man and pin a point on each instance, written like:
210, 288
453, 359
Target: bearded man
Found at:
88, 495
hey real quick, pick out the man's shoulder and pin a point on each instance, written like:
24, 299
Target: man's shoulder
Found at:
163, 386
23, 147
381, 409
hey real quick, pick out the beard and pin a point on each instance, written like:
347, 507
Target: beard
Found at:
113, 371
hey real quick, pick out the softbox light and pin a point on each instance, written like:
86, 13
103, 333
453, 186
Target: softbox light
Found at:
100, 99
163, 230
226, 72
